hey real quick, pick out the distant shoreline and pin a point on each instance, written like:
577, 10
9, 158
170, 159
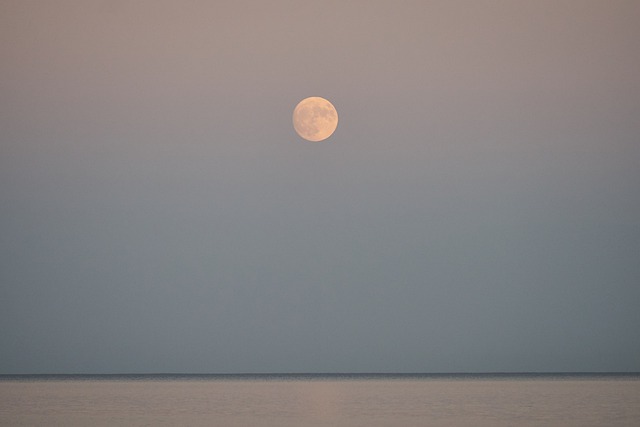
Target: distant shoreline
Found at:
317, 376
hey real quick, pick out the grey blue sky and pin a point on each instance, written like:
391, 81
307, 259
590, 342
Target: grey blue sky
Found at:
477, 209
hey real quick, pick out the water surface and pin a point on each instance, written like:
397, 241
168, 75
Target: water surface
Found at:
321, 400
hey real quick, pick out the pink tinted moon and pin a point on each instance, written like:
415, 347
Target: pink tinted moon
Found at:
315, 119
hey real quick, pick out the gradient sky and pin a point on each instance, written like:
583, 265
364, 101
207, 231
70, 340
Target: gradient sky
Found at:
477, 209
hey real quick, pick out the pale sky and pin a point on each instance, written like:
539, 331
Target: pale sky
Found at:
476, 210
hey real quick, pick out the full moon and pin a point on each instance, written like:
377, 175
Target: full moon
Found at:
315, 119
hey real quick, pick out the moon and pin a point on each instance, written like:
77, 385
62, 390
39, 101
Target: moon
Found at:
315, 119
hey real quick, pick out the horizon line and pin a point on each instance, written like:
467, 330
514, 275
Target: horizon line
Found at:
326, 374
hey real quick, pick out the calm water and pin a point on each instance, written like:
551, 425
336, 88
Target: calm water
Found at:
312, 400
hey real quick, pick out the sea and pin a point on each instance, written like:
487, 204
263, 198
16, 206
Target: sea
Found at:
349, 400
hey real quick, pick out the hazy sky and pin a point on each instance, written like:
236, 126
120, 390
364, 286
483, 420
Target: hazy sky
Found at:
477, 209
